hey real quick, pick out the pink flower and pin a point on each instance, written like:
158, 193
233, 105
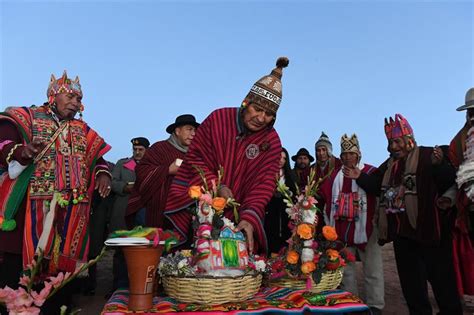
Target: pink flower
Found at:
7, 294
312, 200
206, 198
41, 297
32, 310
21, 299
56, 281
24, 280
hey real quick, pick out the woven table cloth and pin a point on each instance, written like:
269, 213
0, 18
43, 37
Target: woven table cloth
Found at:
266, 301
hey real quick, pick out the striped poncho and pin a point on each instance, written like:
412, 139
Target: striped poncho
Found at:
60, 175
250, 162
154, 181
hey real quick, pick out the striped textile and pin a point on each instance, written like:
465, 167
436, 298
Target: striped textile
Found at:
267, 301
66, 239
153, 182
347, 228
250, 163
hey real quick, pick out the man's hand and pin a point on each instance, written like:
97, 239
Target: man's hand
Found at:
31, 150
102, 184
351, 172
225, 192
173, 169
444, 203
248, 230
437, 156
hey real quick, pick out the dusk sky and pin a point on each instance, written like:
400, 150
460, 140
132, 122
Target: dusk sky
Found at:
142, 63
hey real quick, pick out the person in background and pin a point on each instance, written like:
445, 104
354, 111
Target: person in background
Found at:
302, 160
156, 170
409, 183
276, 218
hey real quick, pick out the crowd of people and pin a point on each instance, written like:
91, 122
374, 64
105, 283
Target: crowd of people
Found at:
60, 195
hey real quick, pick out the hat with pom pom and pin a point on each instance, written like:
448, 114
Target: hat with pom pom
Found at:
266, 92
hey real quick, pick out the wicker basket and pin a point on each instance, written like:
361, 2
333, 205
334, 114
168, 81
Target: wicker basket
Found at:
212, 290
330, 280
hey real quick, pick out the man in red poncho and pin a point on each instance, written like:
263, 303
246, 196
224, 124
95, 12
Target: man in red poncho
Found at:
463, 239
50, 164
244, 142
351, 211
157, 170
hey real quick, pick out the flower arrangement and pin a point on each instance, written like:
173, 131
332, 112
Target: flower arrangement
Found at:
209, 205
183, 263
309, 254
26, 300
219, 248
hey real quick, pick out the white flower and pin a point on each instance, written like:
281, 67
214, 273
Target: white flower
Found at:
228, 223
307, 254
260, 265
182, 263
309, 216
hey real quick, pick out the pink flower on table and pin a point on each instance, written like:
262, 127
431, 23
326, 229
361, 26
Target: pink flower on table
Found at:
56, 281
39, 298
24, 280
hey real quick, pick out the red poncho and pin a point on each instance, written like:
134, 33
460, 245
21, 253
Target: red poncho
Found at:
250, 162
153, 182
463, 252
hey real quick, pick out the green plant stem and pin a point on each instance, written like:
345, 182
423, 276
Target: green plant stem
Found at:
75, 274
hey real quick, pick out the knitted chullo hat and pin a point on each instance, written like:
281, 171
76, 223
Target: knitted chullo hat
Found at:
324, 141
266, 92
350, 144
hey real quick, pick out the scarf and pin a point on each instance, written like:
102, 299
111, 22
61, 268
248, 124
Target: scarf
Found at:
360, 235
173, 140
408, 189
